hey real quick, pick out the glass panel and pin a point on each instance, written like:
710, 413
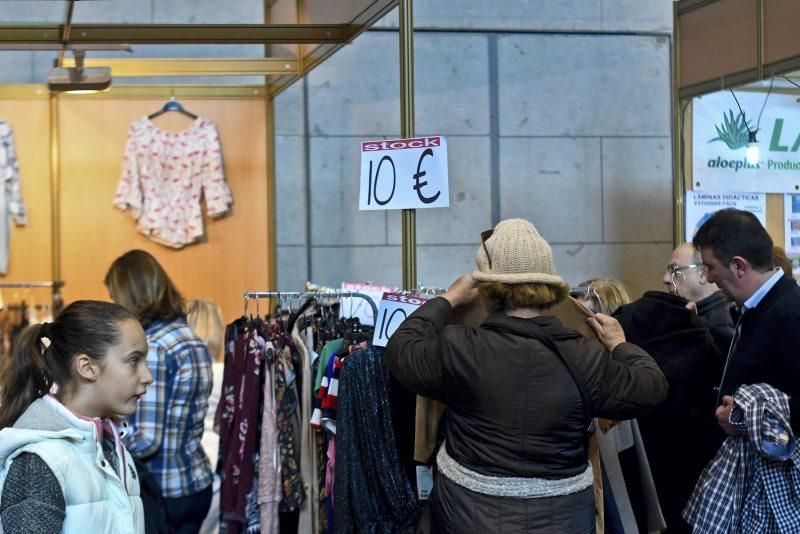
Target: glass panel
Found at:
113, 12
283, 12
780, 21
32, 12
133, 11
186, 51
325, 11
718, 39
208, 12
16, 66
342, 11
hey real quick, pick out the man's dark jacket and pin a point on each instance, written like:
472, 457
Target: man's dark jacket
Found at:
715, 312
769, 348
681, 435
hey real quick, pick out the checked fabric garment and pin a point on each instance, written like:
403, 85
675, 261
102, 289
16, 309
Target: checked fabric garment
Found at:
747, 487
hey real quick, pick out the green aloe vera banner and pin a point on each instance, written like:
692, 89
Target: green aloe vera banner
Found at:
720, 138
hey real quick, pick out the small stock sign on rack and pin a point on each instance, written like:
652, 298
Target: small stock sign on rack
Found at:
404, 174
357, 307
394, 309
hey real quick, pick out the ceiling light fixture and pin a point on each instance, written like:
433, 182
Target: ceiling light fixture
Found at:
78, 79
753, 151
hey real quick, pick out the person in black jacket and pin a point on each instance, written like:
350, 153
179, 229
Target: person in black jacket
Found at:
737, 256
521, 392
684, 277
679, 436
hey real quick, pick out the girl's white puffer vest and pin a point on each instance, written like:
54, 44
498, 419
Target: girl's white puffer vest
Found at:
98, 497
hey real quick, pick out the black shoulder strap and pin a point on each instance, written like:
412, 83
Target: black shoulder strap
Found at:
548, 342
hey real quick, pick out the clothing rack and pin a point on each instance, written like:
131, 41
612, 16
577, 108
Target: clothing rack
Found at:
423, 291
305, 294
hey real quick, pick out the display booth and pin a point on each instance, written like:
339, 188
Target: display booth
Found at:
70, 147
82, 157
735, 66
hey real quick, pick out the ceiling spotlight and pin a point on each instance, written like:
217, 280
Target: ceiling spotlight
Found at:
78, 79
753, 152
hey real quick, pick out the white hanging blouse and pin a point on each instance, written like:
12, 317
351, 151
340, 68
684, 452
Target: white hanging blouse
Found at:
164, 175
11, 206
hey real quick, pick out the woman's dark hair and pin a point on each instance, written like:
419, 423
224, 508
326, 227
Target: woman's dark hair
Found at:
41, 355
731, 232
780, 259
139, 283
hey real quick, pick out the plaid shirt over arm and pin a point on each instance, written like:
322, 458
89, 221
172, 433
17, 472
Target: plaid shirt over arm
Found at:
166, 430
744, 488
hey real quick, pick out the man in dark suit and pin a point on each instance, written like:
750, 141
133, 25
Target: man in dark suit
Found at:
737, 255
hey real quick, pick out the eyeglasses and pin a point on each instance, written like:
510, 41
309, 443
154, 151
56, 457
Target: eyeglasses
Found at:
674, 268
588, 294
676, 272
486, 234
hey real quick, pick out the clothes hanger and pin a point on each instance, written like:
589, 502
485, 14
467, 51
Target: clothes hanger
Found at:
172, 105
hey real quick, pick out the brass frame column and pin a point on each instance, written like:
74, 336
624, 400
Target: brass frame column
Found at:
272, 204
272, 219
409, 216
678, 186
55, 189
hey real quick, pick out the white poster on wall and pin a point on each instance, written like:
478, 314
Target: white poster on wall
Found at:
720, 136
791, 209
700, 205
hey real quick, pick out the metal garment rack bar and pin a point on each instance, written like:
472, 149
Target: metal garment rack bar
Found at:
305, 294
427, 290
56, 286
32, 284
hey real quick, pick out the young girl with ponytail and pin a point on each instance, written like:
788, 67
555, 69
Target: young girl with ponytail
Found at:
63, 466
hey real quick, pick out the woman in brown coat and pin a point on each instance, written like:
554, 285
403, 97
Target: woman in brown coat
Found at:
521, 392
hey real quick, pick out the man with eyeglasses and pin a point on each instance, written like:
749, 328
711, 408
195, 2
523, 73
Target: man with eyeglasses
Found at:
679, 436
684, 277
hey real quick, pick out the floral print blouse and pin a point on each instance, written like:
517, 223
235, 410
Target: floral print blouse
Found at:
164, 175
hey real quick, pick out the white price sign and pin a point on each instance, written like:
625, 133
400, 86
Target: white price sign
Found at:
394, 309
404, 174
358, 307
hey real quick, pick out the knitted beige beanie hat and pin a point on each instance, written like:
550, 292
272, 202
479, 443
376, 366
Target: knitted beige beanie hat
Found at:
517, 255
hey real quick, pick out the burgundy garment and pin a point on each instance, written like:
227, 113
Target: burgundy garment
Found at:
286, 400
230, 404
223, 417
242, 435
